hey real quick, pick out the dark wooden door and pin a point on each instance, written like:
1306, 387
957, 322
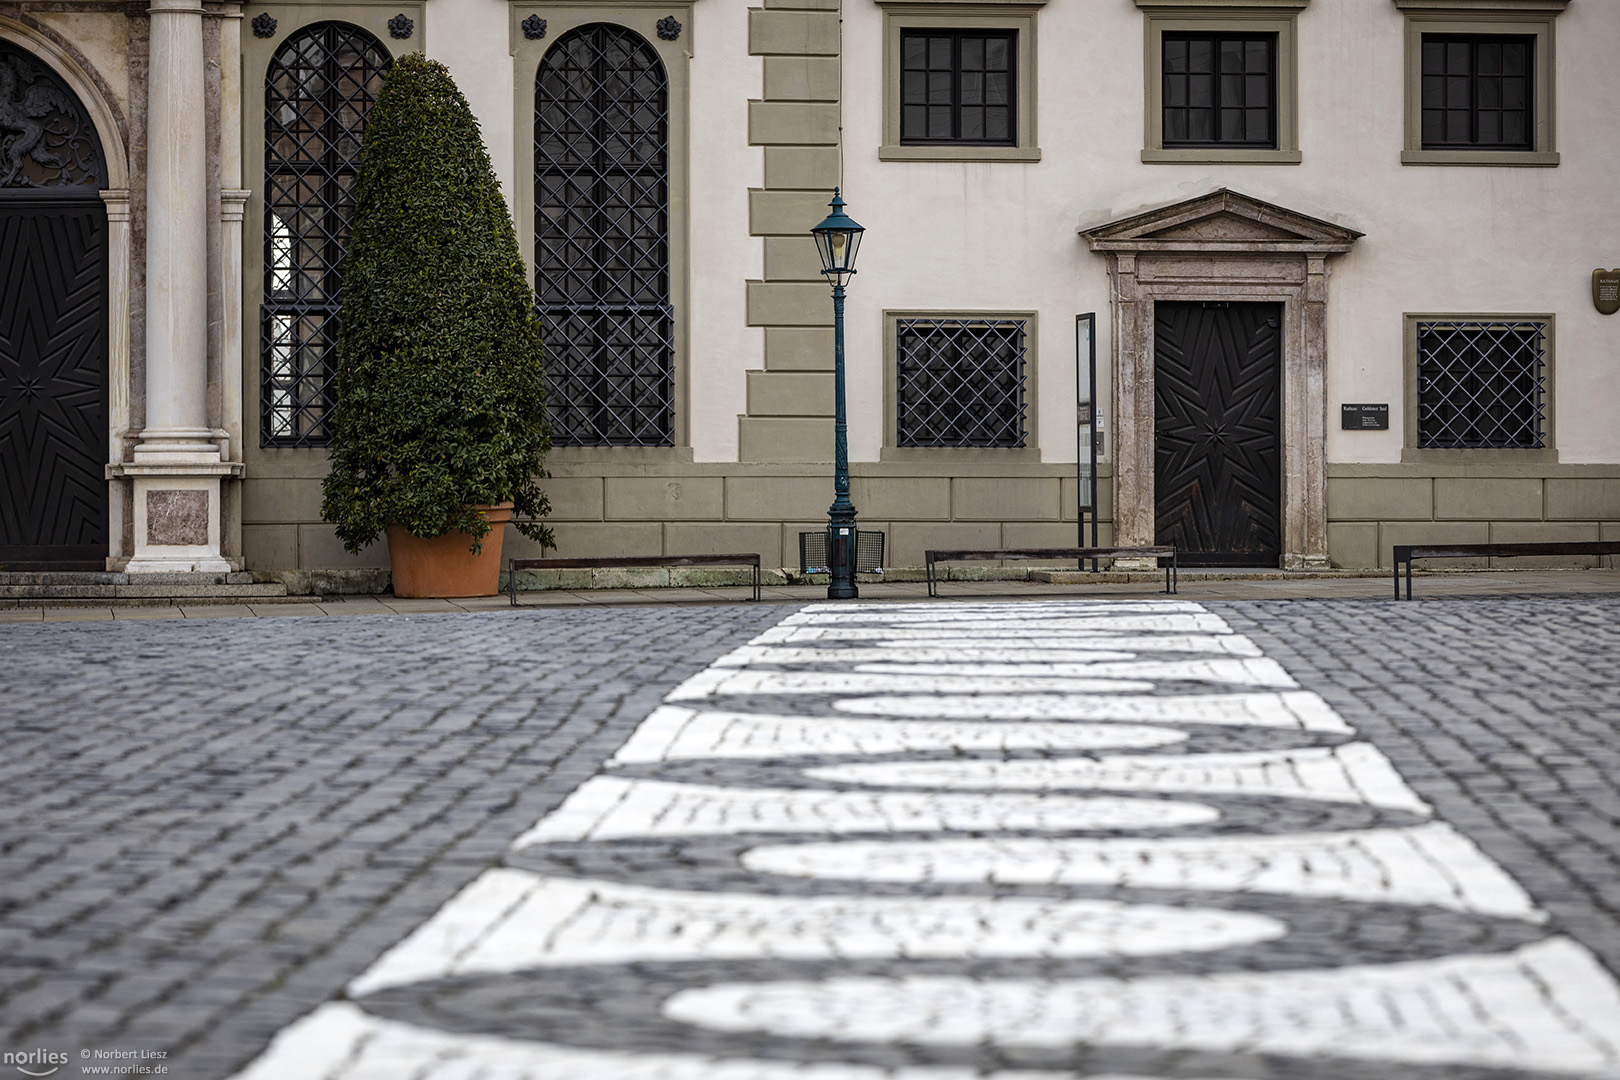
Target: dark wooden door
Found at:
53, 382
1218, 432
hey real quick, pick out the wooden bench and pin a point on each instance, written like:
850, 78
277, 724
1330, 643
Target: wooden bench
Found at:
1405, 553
734, 559
934, 556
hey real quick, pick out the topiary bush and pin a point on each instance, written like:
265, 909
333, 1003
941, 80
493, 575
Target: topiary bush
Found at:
440, 398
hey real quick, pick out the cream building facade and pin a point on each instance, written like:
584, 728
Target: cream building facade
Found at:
1274, 207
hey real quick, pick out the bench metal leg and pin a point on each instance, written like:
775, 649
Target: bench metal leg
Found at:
933, 586
1409, 579
511, 582
756, 583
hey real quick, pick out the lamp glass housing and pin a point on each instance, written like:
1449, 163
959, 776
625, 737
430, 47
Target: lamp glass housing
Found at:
838, 238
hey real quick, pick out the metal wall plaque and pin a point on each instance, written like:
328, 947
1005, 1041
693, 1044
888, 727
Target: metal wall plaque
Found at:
1606, 291
1364, 417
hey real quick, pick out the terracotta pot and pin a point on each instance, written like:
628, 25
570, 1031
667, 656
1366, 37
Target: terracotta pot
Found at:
443, 566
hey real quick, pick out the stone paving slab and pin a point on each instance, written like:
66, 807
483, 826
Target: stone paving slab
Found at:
1151, 839
1036, 840
210, 828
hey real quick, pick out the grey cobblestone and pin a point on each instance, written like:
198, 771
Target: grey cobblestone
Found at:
210, 827
1504, 712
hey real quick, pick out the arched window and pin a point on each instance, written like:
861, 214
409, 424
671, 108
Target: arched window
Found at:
317, 92
601, 191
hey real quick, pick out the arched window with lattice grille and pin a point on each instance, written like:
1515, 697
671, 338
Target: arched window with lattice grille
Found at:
318, 90
602, 252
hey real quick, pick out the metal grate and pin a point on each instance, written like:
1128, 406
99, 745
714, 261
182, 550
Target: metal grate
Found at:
868, 552
601, 154
1481, 384
960, 382
319, 88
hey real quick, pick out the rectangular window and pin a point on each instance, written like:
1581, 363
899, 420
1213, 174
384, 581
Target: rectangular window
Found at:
1220, 90
1478, 92
1481, 384
960, 382
958, 87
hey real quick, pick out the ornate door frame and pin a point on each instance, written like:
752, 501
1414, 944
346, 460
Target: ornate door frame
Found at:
1223, 246
108, 184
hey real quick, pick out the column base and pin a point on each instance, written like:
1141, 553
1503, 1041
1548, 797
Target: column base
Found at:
177, 515
1306, 562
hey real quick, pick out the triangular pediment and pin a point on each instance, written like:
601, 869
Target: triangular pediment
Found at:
1223, 220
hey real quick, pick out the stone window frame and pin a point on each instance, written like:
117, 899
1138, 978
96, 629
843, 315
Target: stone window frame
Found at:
1411, 452
300, 461
1526, 18
640, 16
1018, 16
1030, 452
1278, 17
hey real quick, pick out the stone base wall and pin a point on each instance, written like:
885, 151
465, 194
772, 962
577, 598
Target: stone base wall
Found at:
1371, 508
670, 508
685, 508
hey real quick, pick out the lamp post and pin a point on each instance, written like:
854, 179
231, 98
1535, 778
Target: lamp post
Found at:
837, 237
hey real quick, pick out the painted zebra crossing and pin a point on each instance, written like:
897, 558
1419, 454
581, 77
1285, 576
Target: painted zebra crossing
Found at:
1013, 841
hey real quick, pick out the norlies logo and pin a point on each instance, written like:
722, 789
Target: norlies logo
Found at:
35, 1062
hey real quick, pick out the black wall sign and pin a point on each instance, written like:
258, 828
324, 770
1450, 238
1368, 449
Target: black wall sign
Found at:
1364, 417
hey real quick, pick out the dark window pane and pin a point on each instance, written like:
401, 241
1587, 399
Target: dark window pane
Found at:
962, 73
960, 382
998, 124
1229, 77
1481, 385
602, 240
319, 89
972, 90
1483, 105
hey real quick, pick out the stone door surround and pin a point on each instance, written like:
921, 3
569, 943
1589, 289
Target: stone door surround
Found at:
1223, 246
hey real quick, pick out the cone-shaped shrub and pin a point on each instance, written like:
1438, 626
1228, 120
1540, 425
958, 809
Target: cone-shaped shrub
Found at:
439, 389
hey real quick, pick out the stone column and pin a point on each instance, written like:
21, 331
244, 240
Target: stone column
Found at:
1305, 429
177, 464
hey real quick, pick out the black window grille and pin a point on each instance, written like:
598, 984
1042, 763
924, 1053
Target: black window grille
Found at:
960, 382
1478, 91
957, 86
601, 161
1220, 90
1481, 384
317, 93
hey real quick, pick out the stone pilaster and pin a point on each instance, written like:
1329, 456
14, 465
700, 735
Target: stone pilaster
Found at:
790, 402
177, 464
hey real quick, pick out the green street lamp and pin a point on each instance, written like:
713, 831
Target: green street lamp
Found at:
837, 237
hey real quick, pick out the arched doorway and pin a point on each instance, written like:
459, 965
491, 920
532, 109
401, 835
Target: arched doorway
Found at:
53, 323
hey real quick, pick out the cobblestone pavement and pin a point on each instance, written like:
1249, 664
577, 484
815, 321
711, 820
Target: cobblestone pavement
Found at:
1143, 840
209, 827
1030, 840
